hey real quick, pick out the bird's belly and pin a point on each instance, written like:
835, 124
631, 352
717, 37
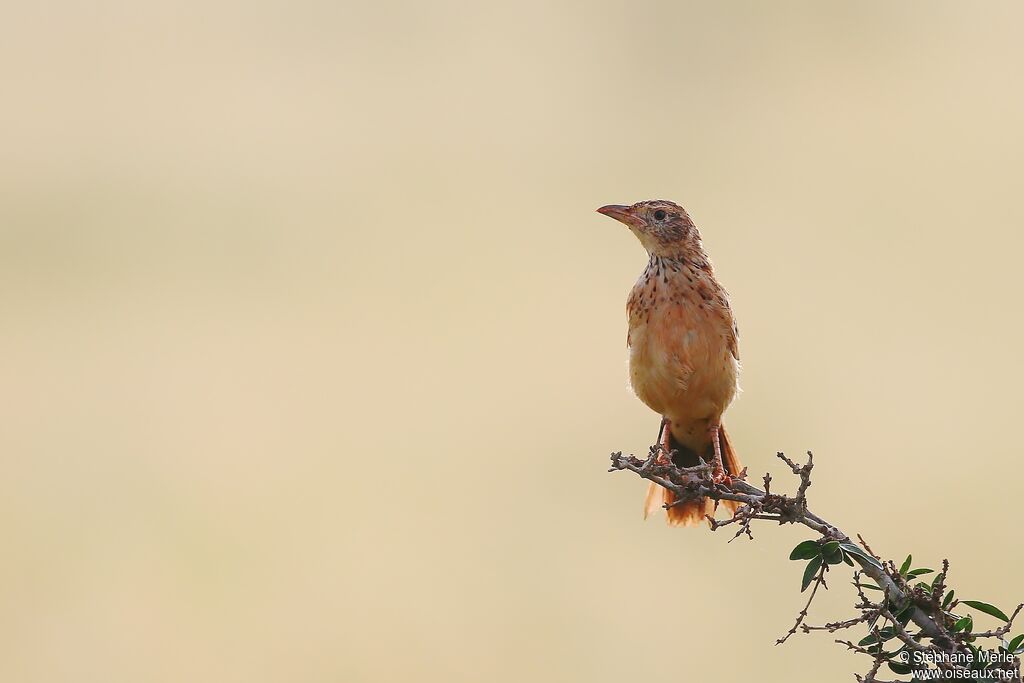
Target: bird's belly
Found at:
686, 373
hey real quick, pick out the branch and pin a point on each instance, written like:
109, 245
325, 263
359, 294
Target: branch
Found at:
818, 580
927, 605
694, 482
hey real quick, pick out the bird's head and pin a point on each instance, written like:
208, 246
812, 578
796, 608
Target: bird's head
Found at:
663, 227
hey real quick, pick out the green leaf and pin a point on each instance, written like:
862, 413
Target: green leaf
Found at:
847, 560
948, 599
906, 565
869, 586
889, 654
886, 633
918, 572
964, 624
861, 554
831, 552
874, 620
986, 608
805, 551
809, 572
1015, 643
900, 667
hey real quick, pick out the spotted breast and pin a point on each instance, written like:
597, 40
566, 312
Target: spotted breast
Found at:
683, 355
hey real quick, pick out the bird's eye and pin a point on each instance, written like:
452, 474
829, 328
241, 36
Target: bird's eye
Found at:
659, 215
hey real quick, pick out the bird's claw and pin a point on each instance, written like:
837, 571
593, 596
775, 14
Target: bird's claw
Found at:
719, 476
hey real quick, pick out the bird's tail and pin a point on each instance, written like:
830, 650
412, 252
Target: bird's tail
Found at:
692, 512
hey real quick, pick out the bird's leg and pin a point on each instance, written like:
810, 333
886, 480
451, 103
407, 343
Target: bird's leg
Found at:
718, 473
664, 443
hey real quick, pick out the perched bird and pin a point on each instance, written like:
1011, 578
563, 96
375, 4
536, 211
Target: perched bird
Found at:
683, 355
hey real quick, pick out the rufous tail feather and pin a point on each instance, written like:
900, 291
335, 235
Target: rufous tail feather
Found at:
692, 512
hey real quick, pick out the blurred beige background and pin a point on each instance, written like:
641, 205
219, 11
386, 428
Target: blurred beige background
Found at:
313, 345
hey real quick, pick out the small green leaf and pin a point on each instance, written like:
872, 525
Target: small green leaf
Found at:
831, 552
892, 653
906, 565
805, 551
948, 599
1015, 643
847, 560
886, 633
986, 608
869, 586
964, 624
900, 667
809, 572
903, 616
918, 572
861, 554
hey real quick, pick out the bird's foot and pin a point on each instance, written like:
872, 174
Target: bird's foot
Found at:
720, 476
664, 445
718, 473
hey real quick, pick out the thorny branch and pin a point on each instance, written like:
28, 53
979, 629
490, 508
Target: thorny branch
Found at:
940, 638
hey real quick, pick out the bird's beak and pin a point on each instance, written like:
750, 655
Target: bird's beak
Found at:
618, 212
